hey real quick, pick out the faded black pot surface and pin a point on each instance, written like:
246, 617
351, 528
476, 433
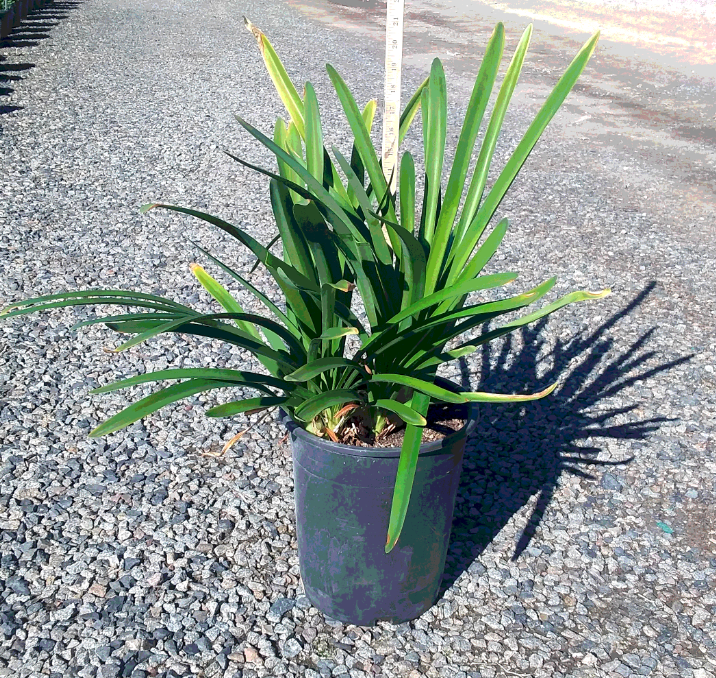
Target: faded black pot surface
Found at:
343, 496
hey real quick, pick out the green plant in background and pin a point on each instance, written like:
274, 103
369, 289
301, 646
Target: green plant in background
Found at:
342, 231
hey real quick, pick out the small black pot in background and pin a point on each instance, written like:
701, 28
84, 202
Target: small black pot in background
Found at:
343, 496
7, 21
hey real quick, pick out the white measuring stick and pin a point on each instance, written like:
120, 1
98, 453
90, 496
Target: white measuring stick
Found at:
391, 118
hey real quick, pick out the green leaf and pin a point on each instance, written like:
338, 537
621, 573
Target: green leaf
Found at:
426, 387
154, 402
336, 333
447, 356
312, 407
328, 318
281, 81
407, 414
407, 192
482, 283
141, 317
487, 150
316, 191
352, 242
406, 472
379, 245
282, 138
520, 154
479, 397
270, 244
468, 135
314, 134
225, 332
412, 259
486, 251
343, 286
223, 296
361, 136
309, 222
271, 262
250, 405
257, 293
92, 298
311, 370
413, 270
356, 161
286, 276
249, 379
480, 313
527, 319
435, 107
411, 110
415, 344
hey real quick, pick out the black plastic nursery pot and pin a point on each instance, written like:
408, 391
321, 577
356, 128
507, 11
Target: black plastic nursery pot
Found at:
7, 21
343, 496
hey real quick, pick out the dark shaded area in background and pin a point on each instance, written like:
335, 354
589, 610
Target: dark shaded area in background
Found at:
522, 450
34, 28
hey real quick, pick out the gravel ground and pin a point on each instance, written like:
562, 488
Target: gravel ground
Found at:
583, 542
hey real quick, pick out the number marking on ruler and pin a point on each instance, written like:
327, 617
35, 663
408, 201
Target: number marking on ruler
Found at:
393, 59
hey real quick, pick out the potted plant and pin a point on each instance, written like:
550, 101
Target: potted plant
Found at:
7, 18
373, 521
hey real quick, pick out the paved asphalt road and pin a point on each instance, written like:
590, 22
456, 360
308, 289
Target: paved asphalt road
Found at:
648, 96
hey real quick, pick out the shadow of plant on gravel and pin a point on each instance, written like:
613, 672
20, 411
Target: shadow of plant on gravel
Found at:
522, 451
29, 33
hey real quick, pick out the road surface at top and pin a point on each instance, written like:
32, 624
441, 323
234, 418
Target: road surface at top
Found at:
647, 99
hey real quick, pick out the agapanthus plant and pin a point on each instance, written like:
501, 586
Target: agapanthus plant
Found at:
342, 232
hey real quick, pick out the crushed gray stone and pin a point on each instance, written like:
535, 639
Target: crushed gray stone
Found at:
583, 539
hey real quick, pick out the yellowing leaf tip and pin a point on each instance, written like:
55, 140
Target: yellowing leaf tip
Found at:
256, 33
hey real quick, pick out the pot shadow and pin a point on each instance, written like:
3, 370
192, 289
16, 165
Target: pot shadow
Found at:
33, 28
518, 451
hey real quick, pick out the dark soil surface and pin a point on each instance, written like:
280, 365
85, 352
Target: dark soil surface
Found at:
437, 429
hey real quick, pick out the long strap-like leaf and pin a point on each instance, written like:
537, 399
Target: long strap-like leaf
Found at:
435, 108
93, 298
312, 407
263, 254
282, 82
256, 292
421, 361
156, 401
520, 154
406, 472
421, 385
250, 379
480, 283
315, 186
313, 369
471, 126
431, 336
362, 139
484, 160
277, 340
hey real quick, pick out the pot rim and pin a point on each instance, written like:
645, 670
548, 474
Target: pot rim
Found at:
433, 446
